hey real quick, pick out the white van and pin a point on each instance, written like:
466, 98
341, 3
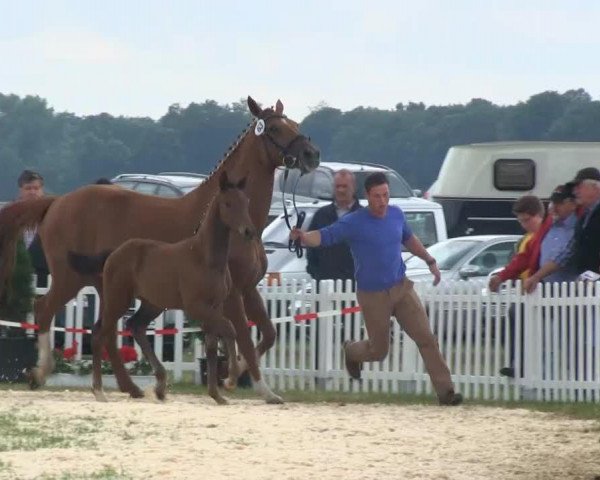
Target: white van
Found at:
424, 217
478, 183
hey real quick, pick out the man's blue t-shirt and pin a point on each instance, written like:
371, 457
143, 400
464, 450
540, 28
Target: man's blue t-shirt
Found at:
375, 243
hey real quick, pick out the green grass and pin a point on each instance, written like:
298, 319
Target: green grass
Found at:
107, 473
32, 432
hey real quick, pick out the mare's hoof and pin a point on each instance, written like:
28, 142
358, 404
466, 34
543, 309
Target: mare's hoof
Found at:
32, 376
274, 399
221, 400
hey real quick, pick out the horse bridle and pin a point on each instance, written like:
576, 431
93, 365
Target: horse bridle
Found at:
289, 161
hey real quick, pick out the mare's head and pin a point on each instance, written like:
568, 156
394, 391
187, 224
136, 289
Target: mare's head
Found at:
284, 142
233, 204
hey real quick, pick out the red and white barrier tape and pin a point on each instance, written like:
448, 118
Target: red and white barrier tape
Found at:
300, 317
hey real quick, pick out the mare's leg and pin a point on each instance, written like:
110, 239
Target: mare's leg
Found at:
234, 309
63, 288
138, 324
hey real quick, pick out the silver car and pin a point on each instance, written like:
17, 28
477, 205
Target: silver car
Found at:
463, 258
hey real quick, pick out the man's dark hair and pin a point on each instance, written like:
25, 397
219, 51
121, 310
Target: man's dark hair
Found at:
528, 204
374, 180
103, 181
28, 176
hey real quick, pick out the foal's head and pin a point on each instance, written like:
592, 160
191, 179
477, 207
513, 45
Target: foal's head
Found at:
287, 146
233, 203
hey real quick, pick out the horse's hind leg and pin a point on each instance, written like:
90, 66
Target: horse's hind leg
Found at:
138, 324
62, 289
230, 383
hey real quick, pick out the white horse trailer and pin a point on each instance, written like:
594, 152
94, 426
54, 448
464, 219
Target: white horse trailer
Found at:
478, 183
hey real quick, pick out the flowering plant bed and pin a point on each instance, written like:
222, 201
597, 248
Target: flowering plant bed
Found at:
65, 362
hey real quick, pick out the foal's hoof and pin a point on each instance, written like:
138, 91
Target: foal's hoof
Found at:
100, 396
220, 400
229, 384
160, 392
136, 393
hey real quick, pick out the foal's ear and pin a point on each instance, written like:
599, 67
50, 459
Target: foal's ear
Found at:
224, 182
241, 185
279, 107
254, 108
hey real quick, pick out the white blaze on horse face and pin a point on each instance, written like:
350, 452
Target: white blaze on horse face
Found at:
259, 129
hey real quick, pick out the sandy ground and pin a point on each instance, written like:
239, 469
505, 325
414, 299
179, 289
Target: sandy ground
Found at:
189, 437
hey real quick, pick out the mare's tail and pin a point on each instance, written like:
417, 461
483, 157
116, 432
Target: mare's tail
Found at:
14, 218
88, 264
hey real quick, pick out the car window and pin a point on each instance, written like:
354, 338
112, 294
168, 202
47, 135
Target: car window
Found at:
145, 187
322, 186
423, 226
447, 254
493, 257
166, 191
127, 185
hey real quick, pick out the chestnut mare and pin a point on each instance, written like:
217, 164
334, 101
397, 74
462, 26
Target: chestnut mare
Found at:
79, 229
191, 275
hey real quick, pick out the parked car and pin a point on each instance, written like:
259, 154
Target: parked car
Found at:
165, 184
425, 218
318, 184
463, 258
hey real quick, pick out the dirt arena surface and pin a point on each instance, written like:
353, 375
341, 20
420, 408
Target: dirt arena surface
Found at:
190, 437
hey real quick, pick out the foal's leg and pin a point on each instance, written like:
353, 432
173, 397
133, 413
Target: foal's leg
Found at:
116, 303
230, 383
63, 288
138, 324
212, 344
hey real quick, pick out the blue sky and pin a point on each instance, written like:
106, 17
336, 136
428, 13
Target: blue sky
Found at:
136, 58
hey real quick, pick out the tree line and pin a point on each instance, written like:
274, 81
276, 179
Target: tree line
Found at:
70, 150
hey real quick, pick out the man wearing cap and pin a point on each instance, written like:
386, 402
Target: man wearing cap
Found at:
557, 241
583, 252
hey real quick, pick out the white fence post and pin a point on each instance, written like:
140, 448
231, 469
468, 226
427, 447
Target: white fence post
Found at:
532, 353
325, 344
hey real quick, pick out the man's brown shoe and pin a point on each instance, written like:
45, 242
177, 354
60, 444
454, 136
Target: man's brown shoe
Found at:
451, 399
353, 368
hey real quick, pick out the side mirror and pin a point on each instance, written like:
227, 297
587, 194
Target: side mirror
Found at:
469, 271
417, 192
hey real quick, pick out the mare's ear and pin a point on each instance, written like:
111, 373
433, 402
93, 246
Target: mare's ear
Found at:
279, 107
224, 182
241, 185
254, 108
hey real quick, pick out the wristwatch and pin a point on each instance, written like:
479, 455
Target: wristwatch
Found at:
430, 262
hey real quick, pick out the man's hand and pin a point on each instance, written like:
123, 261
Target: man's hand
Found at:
295, 234
435, 271
494, 283
530, 284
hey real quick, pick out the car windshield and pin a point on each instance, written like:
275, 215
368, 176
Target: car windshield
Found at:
277, 232
447, 254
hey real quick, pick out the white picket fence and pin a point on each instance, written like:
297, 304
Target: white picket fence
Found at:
557, 337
